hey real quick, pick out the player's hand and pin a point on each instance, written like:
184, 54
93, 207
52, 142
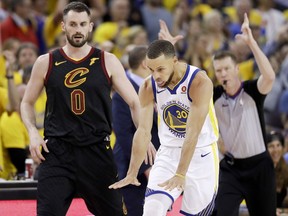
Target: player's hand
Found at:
164, 34
129, 179
151, 154
246, 35
174, 182
36, 142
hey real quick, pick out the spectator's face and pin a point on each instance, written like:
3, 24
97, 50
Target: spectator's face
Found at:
24, 9
77, 27
203, 46
120, 10
194, 27
27, 56
141, 38
213, 21
276, 150
40, 6
162, 69
226, 71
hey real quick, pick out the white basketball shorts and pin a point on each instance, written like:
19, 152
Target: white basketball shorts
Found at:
201, 181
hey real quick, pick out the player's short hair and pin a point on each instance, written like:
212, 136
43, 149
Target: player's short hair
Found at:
77, 7
219, 55
136, 56
160, 47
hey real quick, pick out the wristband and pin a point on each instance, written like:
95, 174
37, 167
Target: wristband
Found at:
9, 76
180, 175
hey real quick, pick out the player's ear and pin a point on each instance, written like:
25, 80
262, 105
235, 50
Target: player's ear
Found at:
237, 68
175, 59
91, 26
63, 26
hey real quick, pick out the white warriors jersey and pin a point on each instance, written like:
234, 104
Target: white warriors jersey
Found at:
173, 108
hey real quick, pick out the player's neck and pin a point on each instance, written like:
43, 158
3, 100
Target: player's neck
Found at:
179, 73
76, 52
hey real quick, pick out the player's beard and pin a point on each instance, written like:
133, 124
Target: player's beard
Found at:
73, 41
168, 81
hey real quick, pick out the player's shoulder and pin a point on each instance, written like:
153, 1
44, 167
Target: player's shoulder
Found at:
201, 77
109, 56
43, 59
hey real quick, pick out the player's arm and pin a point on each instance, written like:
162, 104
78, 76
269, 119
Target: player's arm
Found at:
142, 135
13, 96
267, 77
122, 85
201, 92
33, 90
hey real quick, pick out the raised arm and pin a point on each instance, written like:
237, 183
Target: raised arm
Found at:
33, 90
142, 136
13, 96
201, 92
267, 77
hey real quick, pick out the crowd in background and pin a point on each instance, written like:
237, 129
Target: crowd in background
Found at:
29, 28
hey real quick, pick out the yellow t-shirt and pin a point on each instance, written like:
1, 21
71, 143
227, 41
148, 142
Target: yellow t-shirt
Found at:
3, 99
285, 13
14, 133
8, 168
170, 4
200, 9
51, 31
246, 70
107, 31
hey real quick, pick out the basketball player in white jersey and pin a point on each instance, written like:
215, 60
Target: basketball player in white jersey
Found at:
187, 160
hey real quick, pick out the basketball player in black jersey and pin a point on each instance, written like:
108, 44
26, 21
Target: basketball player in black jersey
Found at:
76, 156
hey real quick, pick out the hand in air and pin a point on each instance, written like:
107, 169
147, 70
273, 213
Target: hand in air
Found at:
164, 34
129, 179
246, 35
174, 182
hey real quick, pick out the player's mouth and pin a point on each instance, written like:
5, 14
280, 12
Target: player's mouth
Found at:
78, 37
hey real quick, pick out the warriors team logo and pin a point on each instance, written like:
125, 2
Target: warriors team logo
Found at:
175, 117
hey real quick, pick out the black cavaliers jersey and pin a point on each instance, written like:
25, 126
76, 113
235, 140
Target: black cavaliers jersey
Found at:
78, 107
